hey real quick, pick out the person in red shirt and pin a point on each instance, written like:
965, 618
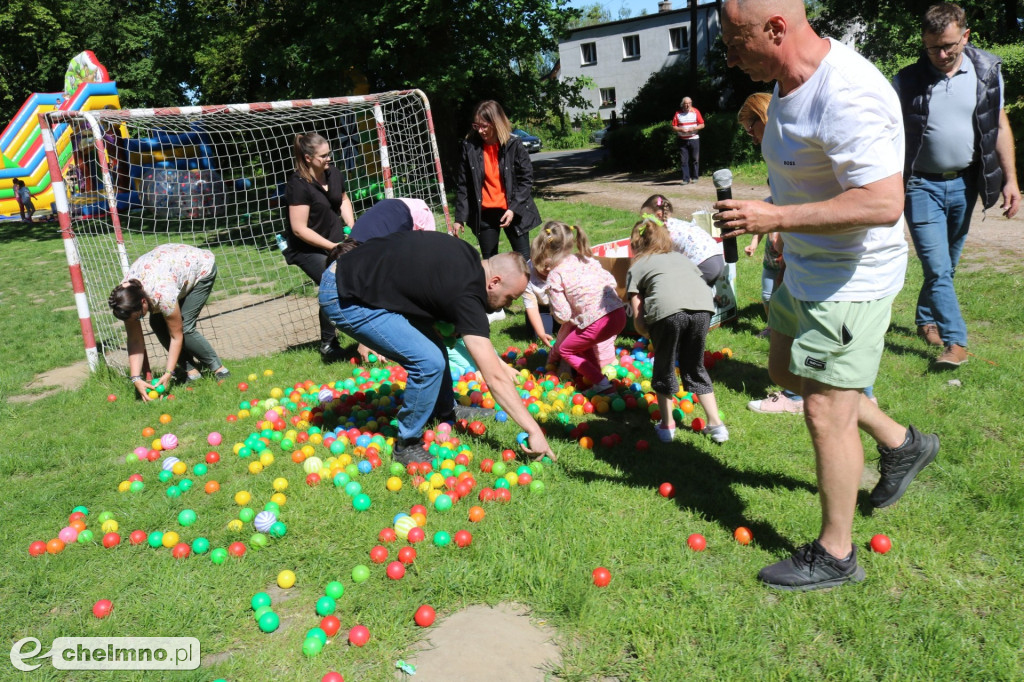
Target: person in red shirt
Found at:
686, 122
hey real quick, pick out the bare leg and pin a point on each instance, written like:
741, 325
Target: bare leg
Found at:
877, 424
665, 405
779, 350
710, 405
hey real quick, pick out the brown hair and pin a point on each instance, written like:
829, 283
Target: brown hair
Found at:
555, 241
650, 237
939, 17
755, 108
490, 111
126, 299
655, 204
305, 144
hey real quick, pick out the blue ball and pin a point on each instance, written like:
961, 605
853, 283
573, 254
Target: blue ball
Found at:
522, 437
501, 416
397, 516
363, 441
364, 467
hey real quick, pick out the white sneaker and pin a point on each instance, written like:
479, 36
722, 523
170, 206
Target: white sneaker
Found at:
495, 316
777, 403
719, 433
664, 435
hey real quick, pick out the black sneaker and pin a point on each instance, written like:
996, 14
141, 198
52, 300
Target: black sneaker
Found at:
331, 352
900, 465
410, 451
812, 568
468, 412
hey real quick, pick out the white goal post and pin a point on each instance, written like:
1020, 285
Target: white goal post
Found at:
213, 177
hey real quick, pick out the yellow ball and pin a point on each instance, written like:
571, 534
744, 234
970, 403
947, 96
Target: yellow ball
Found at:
403, 526
242, 414
308, 450
285, 579
280, 484
156, 445
109, 526
124, 486
436, 480
242, 498
423, 487
237, 446
432, 495
316, 438
448, 464
255, 467
266, 458
152, 395
253, 377
394, 484
512, 478
179, 468
279, 499
268, 372
276, 393
345, 459
170, 539
235, 525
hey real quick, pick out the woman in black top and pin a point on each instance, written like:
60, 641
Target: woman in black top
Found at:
317, 204
494, 182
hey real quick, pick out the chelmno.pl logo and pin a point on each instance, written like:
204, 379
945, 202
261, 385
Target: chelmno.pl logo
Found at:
109, 653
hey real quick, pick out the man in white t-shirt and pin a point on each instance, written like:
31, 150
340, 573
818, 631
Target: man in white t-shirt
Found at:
833, 144
687, 122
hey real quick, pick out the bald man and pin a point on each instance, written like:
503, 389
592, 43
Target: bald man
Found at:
833, 144
390, 292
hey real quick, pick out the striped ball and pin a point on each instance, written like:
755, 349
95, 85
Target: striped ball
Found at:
403, 526
264, 520
312, 465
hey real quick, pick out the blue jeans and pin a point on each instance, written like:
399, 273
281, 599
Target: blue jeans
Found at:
939, 215
412, 344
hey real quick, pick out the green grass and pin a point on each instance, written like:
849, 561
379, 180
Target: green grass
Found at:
945, 603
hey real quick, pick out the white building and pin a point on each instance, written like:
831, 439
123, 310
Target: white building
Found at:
619, 56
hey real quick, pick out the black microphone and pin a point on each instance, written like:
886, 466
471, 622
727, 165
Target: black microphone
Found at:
723, 187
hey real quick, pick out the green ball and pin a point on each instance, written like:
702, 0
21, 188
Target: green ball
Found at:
501, 483
260, 599
200, 545
353, 488
341, 479
200, 469
244, 452
537, 469
325, 606
186, 517
312, 646
397, 469
104, 517
499, 469
278, 529
258, 612
536, 486
361, 502
219, 555
287, 444
258, 541
81, 508
136, 486
269, 621
524, 469
246, 514
85, 536
155, 539
165, 476
161, 389
173, 491
443, 502
272, 507
352, 470
442, 538
334, 589
360, 573
185, 484
317, 633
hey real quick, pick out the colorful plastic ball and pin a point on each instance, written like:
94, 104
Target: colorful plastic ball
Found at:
425, 616
359, 635
325, 606
278, 530
317, 633
137, 537
333, 677
406, 524
353, 488
86, 536
181, 550
285, 580
743, 535
394, 484
667, 490
463, 538
168, 441
280, 484
416, 535
442, 538
696, 542
334, 589
200, 546
170, 539
396, 570
155, 539
165, 476
102, 608
55, 546
379, 554
443, 502
111, 540
68, 534
536, 487
330, 625
37, 548
407, 555
212, 457
269, 622
361, 502
258, 541
136, 486
264, 520
219, 555
186, 517
387, 535
602, 576
214, 439
237, 549
360, 573
880, 544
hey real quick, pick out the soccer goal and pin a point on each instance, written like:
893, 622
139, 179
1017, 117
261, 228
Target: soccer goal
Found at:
214, 177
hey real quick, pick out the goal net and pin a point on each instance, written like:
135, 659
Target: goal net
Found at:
214, 177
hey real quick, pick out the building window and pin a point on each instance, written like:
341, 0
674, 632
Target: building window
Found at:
678, 38
607, 97
630, 47
588, 53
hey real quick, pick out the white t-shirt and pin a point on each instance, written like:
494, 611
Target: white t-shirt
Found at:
841, 129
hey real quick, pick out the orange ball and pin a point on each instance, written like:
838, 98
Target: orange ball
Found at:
743, 535
55, 546
476, 514
165, 419
420, 518
148, 432
686, 406
78, 524
211, 487
587, 443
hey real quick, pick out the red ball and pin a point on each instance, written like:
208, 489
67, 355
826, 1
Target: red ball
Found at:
463, 538
135, 477
359, 635
486, 495
508, 455
313, 480
415, 535
182, 550
212, 457
75, 516
602, 576
881, 543
698, 424
332, 677
242, 386
236, 549
477, 428
137, 537
330, 625
387, 535
412, 468
379, 554
102, 608
37, 548
697, 542
667, 490
525, 479
396, 570
425, 616
486, 465
111, 540
503, 495
111, 398
232, 418
407, 555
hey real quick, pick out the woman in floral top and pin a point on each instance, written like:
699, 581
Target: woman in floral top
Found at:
171, 283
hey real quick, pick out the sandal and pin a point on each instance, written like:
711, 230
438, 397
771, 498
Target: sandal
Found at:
193, 375
222, 373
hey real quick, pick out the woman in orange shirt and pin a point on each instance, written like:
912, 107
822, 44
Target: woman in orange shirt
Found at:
494, 183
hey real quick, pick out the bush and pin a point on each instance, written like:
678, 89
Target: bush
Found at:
1015, 112
1013, 70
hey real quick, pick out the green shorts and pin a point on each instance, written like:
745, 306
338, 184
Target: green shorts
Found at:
836, 343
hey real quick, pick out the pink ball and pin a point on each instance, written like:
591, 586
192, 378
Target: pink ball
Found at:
271, 415
214, 439
141, 451
68, 535
168, 441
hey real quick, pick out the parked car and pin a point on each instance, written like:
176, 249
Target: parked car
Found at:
531, 142
599, 135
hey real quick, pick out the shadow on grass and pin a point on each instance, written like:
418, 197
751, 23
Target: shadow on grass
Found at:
16, 230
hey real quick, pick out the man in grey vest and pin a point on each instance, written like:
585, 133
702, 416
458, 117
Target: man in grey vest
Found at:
958, 145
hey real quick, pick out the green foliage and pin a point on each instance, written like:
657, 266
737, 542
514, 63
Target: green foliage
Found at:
1015, 112
1013, 70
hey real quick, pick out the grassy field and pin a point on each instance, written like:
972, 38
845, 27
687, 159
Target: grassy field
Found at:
944, 604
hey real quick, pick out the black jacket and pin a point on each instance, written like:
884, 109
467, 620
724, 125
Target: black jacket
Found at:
915, 90
516, 176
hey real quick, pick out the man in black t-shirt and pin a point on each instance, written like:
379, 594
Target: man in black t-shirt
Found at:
388, 294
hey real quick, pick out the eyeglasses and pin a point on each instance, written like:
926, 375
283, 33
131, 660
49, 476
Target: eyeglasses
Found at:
948, 48
481, 126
